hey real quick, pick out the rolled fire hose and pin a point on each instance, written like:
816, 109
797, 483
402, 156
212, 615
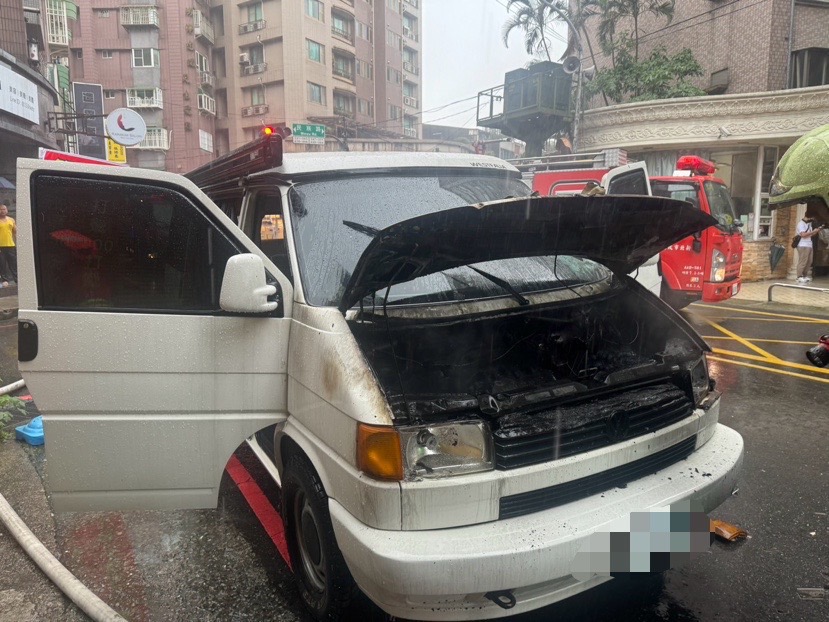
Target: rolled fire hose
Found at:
69, 584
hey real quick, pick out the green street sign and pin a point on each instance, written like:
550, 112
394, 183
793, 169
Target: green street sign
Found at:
308, 134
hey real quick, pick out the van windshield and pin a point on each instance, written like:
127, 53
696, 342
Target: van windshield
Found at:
334, 221
719, 199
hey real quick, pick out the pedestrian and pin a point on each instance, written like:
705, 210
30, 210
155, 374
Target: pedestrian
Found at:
805, 247
8, 251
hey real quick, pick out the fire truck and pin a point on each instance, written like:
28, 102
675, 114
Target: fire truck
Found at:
705, 266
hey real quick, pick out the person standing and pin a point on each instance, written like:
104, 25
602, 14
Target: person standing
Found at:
805, 248
8, 251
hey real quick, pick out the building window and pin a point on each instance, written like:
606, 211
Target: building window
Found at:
364, 31
315, 9
103, 13
255, 12
365, 107
343, 104
106, 54
257, 96
394, 40
109, 94
202, 63
343, 67
145, 57
365, 70
394, 5
395, 112
206, 141
810, 67
342, 26
316, 93
78, 53
393, 75
316, 51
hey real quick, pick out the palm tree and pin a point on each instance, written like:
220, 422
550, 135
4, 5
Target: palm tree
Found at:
531, 16
612, 13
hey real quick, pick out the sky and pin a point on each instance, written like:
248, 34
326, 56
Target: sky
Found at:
463, 54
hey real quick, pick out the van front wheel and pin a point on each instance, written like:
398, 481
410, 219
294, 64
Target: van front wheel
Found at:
323, 579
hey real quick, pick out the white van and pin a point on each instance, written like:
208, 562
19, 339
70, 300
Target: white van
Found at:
457, 385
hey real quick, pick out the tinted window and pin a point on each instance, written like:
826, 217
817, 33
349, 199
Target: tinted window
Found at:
122, 246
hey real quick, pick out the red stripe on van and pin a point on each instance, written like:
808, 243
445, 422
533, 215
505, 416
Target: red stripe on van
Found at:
261, 506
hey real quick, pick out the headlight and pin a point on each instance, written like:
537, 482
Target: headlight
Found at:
699, 379
777, 188
717, 266
443, 450
395, 454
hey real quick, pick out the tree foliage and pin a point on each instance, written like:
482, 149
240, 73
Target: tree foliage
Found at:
658, 76
531, 17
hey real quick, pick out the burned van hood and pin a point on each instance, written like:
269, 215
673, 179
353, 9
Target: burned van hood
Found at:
621, 232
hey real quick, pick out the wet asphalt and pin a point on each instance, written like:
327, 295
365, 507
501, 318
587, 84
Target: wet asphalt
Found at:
221, 565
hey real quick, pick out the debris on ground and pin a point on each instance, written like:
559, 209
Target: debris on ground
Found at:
811, 593
727, 531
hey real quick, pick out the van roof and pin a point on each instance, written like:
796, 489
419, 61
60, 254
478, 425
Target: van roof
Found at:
325, 163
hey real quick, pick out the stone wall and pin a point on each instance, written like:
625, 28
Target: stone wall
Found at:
756, 254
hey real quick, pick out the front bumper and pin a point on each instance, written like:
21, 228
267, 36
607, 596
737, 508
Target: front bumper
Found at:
444, 574
717, 292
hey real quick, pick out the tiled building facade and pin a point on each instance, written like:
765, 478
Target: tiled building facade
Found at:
766, 69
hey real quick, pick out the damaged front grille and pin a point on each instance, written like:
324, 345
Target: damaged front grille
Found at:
524, 439
546, 498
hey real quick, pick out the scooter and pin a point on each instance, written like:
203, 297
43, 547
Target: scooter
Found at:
819, 355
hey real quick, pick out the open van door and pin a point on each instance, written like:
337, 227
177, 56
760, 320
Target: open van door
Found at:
147, 368
633, 179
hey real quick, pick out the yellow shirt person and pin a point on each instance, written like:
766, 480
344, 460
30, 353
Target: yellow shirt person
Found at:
8, 254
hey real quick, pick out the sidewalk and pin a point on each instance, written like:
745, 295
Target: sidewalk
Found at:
801, 295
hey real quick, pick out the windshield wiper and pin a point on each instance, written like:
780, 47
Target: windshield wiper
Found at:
503, 285
364, 229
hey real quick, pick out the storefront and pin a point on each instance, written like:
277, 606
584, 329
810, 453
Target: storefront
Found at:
745, 135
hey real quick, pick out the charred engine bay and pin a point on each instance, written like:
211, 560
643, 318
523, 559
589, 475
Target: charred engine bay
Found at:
530, 370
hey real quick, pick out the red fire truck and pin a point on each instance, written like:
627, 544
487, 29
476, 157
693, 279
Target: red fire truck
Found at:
705, 266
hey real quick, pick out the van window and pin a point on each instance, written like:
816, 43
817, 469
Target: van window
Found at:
269, 231
121, 246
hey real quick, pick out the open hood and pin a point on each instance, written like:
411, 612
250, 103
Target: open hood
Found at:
621, 232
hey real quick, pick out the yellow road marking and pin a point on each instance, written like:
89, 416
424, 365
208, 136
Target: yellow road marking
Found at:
769, 369
746, 343
752, 357
760, 319
796, 317
753, 340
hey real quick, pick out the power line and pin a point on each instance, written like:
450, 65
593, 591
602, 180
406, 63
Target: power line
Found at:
657, 34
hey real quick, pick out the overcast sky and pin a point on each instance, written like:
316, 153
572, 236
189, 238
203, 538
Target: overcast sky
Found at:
463, 54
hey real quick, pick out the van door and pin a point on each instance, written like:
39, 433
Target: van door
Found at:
633, 179
146, 386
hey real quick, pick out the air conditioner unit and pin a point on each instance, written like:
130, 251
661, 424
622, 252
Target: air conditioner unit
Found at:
246, 28
244, 58
410, 101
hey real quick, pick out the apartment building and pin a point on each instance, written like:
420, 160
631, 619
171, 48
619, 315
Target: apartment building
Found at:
153, 56
766, 71
26, 96
353, 65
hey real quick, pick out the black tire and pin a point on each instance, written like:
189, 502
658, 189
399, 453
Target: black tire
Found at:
324, 582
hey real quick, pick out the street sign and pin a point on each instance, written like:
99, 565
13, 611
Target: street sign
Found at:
116, 152
126, 127
308, 134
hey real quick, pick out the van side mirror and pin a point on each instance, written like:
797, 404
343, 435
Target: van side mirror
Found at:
244, 289
696, 245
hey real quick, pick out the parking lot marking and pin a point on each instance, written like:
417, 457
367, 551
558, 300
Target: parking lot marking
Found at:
768, 313
769, 369
752, 357
261, 506
753, 340
766, 355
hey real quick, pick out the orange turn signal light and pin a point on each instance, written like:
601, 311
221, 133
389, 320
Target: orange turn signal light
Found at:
379, 454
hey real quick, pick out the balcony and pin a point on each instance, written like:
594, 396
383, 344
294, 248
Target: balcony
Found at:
202, 27
414, 3
343, 33
259, 24
145, 98
344, 111
411, 132
207, 79
410, 33
206, 104
411, 102
411, 68
344, 71
139, 16
156, 138
249, 70
256, 110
